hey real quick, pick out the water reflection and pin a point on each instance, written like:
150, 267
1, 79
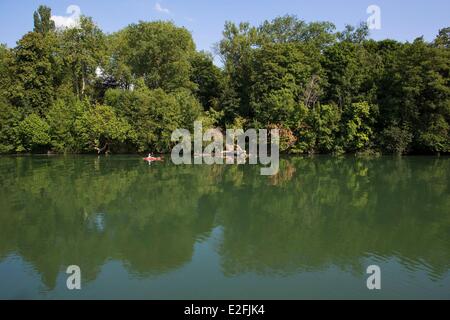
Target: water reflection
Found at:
316, 213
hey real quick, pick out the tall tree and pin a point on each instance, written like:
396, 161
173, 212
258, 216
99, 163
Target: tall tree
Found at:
42, 20
159, 52
208, 78
5, 64
280, 74
354, 34
289, 29
33, 88
415, 94
83, 50
236, 50
443, 38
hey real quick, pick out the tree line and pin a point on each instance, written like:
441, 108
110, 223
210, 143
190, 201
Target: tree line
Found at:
80, 90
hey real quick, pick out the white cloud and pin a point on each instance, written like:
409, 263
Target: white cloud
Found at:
160, 8
71, 21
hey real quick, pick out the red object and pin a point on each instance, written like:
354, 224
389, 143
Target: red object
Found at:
153, 159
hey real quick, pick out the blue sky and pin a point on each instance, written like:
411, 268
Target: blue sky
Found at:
401, 19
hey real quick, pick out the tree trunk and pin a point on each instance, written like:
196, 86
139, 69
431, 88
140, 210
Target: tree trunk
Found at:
105, 149
83, 83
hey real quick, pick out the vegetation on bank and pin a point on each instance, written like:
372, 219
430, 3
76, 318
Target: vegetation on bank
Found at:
80, 90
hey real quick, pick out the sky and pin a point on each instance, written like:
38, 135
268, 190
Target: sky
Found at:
402, 20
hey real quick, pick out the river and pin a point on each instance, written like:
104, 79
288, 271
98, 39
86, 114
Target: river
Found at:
224, 232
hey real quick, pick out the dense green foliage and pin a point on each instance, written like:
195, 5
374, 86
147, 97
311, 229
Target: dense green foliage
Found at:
78, 90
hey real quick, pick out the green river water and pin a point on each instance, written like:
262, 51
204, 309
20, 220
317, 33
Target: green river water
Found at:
224, 232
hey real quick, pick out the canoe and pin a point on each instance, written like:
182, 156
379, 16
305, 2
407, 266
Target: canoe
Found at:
153, 159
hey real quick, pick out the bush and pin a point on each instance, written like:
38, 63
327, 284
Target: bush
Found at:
61, 118
396, 139
155, 114
34, 134
9, 121
357, 131
100, 125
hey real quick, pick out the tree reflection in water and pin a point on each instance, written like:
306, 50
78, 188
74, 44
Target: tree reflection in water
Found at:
316, 213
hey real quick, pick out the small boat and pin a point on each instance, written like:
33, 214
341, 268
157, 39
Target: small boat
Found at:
153, 159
